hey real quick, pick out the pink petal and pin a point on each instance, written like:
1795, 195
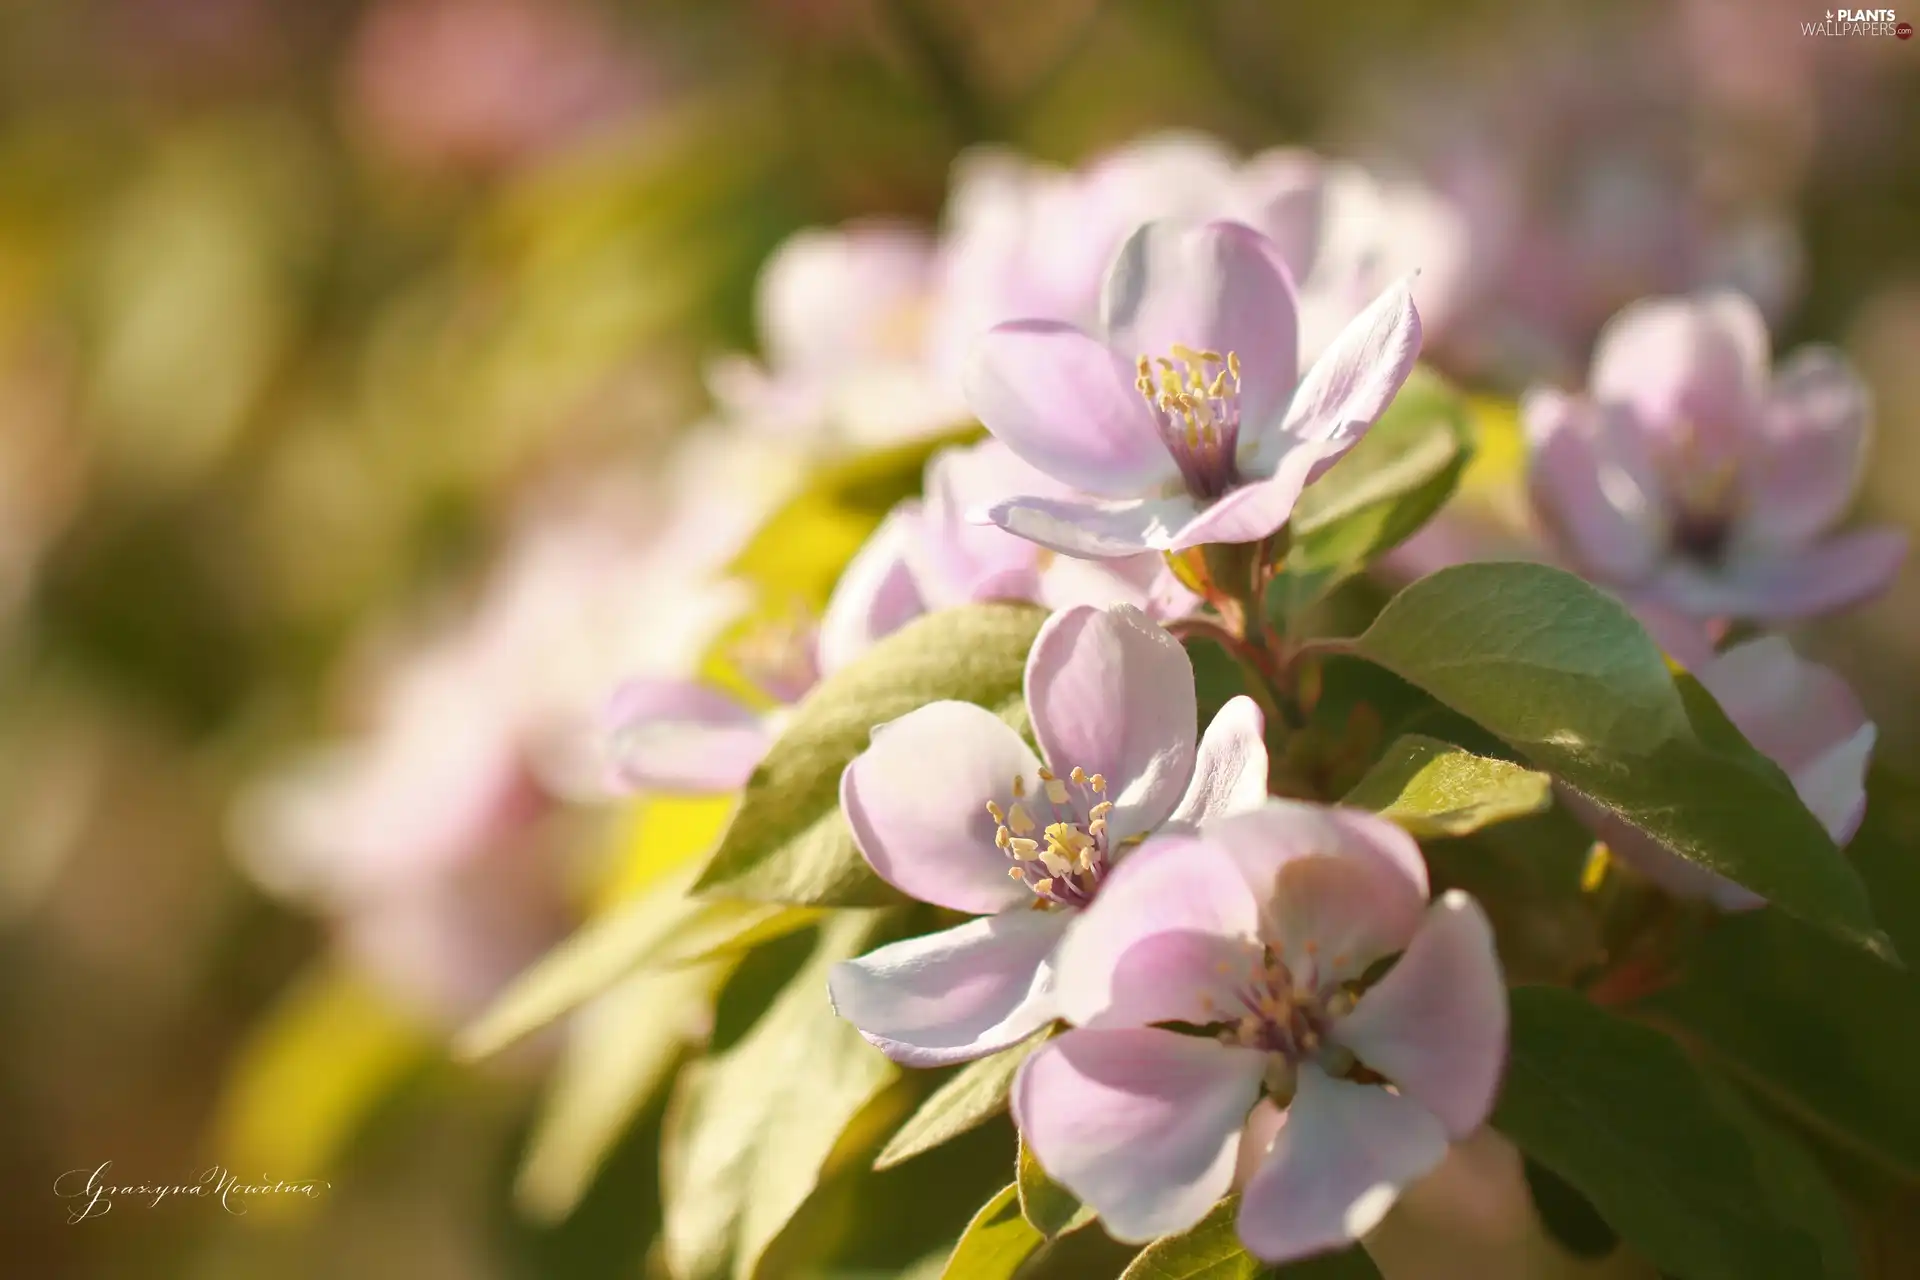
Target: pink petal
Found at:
1096, 530
1804, 718
1111, 692
1141, 1124
956, 560
917, 802
956, 995
1357, 377
1698, 364
676, 735
1152, 946
1436, 1025
1257, 509
1287, 189
875, 596
1343, 887
1068, 406
1593, 487
1220, 286
1230, 769
1340, 1161
827, 298
1780, 586
1805, 467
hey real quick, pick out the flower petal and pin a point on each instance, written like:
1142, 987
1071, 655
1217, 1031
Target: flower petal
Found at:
876, 594
1593, 487
917, 802
1780, 585
955, 995
1111, 691
1219, 286
1096, 530
1436, 1025
1230, 768
1068, 406
1255, 510
956, 560
1804, 718
1141, 1124
1152, 946
1340, 1161
677, 735
1695, 364
1354, 381
1342, 886
1805, 468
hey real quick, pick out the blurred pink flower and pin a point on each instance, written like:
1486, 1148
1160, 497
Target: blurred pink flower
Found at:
1797, 713
1262, 927
1687, 477
1188, 418
951, 806
486, 84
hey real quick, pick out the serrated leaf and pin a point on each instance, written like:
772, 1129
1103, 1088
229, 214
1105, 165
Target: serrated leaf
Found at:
976, 1094
751, 1128
1828, 1031
1619, 1112
619, 1050
789, 841
1433, 788
1050, 1207
995, 1243
1564, 675
1211, 1250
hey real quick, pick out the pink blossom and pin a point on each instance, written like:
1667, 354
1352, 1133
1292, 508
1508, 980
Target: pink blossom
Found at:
1263, 928
951, 806
1797, 713
1187, 419
1689, 477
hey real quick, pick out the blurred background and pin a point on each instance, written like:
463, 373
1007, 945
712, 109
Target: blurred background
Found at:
348, 358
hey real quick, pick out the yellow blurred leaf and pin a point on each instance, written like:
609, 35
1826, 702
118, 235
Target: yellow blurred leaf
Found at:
310, 1073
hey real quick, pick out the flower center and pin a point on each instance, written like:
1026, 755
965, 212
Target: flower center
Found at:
1287, 1014
1195, 399
1704, 494
781, 659
1058, 838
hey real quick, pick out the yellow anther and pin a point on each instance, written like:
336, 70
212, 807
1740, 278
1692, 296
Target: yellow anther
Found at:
1001, 836
1097, 828
1051, 859
994, 809
1098, 783
1079, 776
1100, 810
1218, 387
1056, 791
1025, 848
1233, 367
1043, 887
1046, 774
1019, 787
1016, 873
1020, 820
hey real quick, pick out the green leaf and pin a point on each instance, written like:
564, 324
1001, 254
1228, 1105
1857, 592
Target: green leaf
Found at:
1434, 789
1563, 674
751, 1129
1050, 1207
1798, 1189
620, 1048
1829, 1032
598, 955
975, 1094
789, 841
1211, 1250
995, 1243
1620, 1113
1392, 482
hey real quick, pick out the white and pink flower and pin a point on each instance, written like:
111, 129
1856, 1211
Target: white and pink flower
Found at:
951, 806
1264, 930
1690, 478
1187, 419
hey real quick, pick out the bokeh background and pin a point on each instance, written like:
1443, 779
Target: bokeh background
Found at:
311, 309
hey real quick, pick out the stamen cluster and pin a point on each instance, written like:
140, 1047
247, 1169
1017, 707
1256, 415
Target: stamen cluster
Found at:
1063, 860
1196, 403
